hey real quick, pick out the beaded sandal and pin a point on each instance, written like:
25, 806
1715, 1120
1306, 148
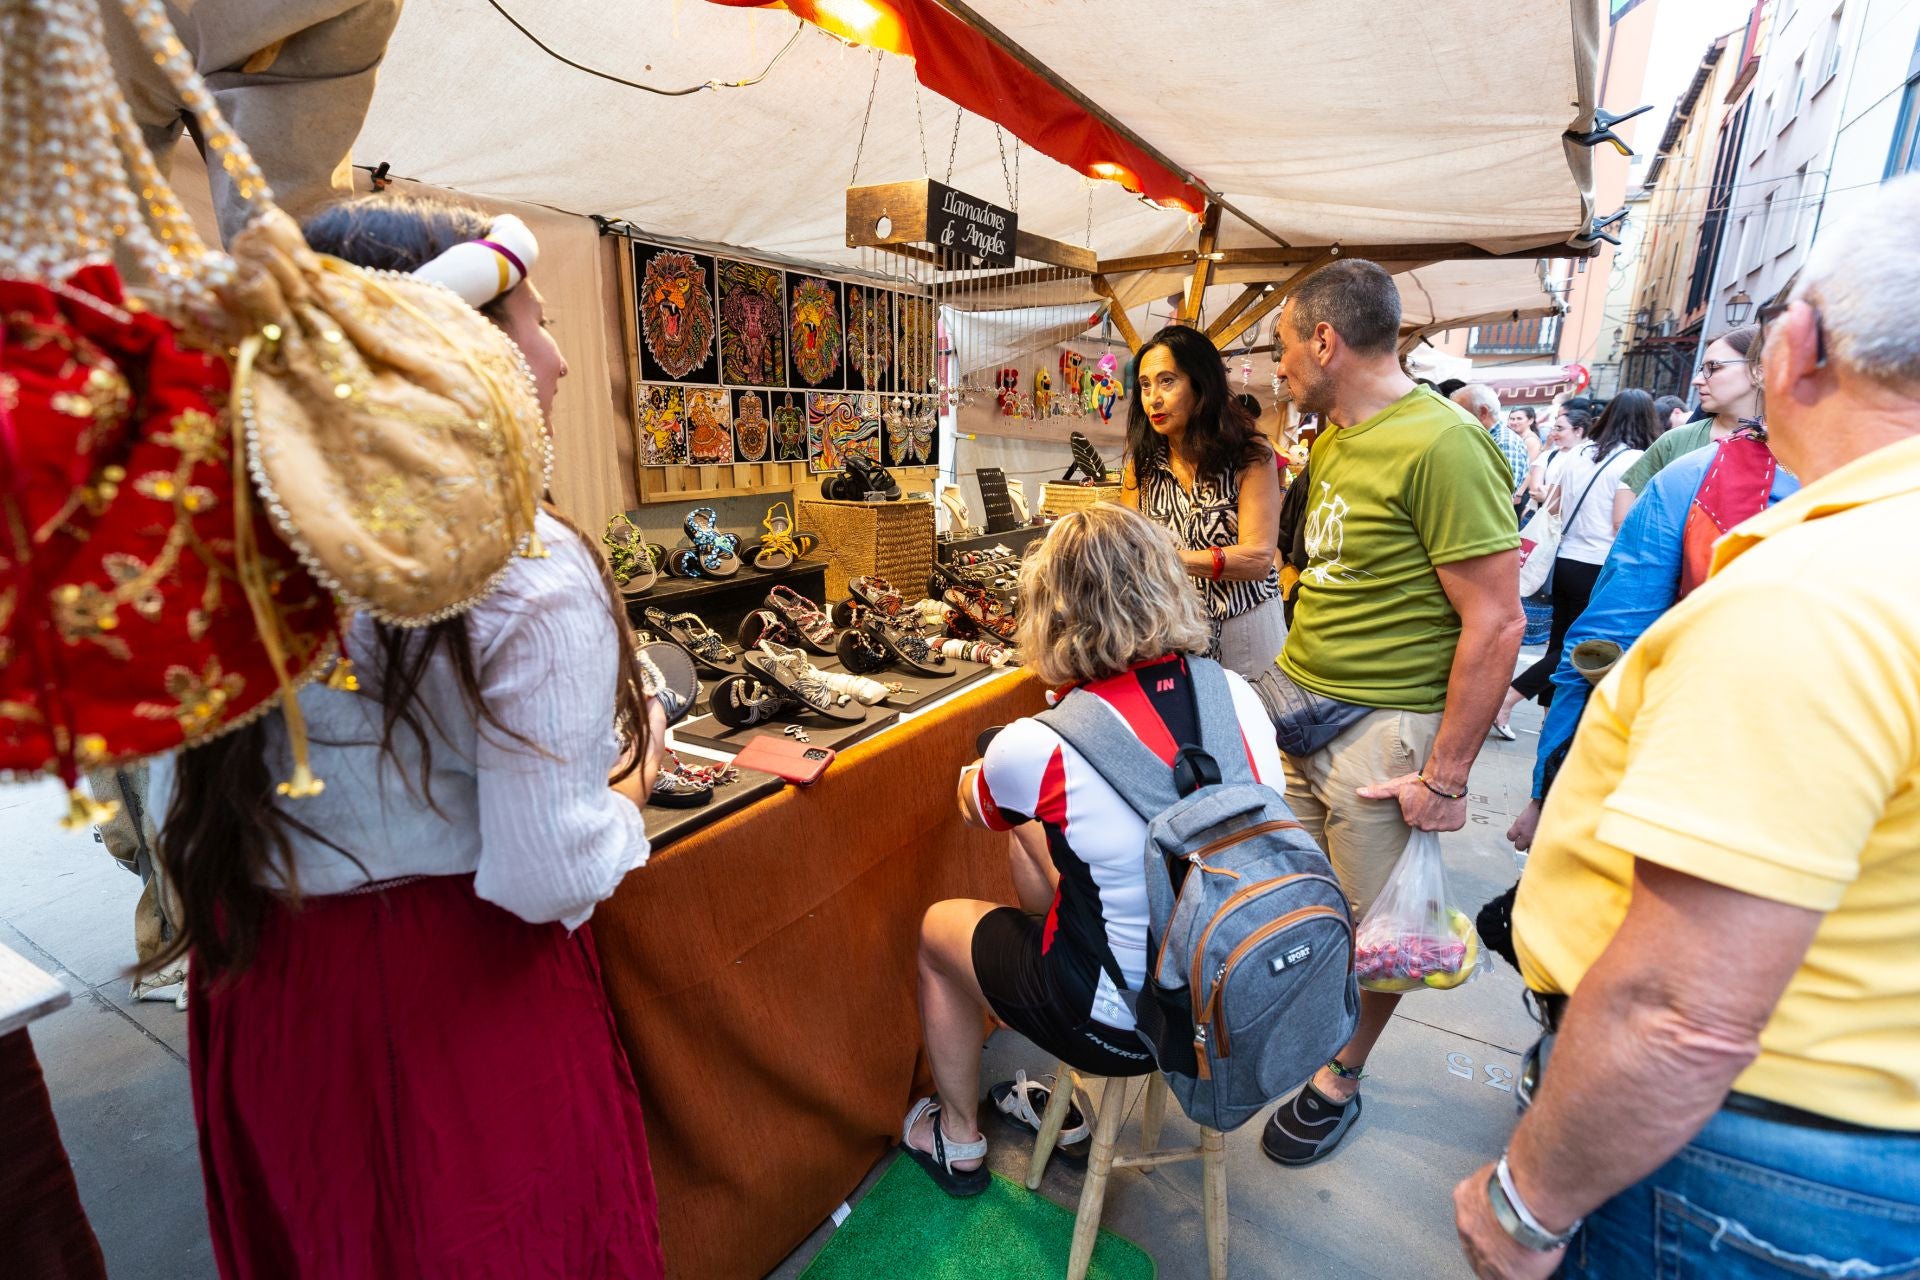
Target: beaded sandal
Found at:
803, 616
697, 638
719, 552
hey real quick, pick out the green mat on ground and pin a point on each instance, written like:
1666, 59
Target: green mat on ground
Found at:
906, 1228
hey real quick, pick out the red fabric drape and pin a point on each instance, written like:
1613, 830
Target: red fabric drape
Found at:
966, 68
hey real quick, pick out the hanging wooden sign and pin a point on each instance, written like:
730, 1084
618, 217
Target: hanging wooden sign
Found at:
931, 222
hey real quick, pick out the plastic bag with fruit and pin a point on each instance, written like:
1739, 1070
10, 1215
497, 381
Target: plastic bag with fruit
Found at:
1413, 936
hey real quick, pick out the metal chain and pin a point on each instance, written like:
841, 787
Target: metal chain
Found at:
958, 114
926, 166
1006, 175
872, 89
1016, 175
1089, 215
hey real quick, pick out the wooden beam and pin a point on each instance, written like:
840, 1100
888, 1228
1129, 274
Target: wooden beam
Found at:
1117, 313
966, 14
1294, 255
1074, 257
1248, 296
1202, 265
1145, 262
1275, 300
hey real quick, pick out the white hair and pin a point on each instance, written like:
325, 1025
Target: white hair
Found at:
1864, 274
1478, 398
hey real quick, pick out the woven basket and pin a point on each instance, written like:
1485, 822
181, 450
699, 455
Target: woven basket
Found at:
893, 540
1058, 499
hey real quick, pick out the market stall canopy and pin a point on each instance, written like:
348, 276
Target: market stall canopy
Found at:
1380, 123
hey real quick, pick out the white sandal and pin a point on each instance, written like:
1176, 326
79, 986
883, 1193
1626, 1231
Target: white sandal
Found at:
939, 1162
1023, 1102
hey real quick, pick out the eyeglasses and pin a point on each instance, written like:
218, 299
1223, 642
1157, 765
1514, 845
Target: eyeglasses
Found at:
1710, 367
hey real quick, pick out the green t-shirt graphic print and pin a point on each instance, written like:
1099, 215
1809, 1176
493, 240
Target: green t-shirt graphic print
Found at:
1419, 484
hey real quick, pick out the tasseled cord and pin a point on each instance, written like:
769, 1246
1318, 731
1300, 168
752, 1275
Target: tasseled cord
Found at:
253, 578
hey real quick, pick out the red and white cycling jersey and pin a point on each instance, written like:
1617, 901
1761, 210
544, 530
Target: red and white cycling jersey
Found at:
1097, 926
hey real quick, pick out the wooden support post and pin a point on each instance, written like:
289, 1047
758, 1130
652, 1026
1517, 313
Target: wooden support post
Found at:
1250, 295
1275, 300
1117, 313
1203, 264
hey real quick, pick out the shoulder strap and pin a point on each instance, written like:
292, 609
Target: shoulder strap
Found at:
1219, 720
1140, 777
1599, 467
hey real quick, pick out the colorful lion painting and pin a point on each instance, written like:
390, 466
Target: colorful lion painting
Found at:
676, 312
709, 426
662, 427
790, 430
835, 429
753, 347
814, 313
750, 426
869, 335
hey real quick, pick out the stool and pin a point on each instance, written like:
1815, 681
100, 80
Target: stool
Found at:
1101, 1161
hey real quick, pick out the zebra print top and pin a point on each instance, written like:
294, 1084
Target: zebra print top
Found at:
1207, 517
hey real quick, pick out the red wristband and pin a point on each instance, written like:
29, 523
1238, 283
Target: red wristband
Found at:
1219, 562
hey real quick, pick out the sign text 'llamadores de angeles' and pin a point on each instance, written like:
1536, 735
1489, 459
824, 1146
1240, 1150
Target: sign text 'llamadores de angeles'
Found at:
966, 226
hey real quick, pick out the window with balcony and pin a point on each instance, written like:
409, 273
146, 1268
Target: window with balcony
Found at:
1537, 337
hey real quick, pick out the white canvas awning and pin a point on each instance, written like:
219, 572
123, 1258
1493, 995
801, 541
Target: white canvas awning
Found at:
1396, 121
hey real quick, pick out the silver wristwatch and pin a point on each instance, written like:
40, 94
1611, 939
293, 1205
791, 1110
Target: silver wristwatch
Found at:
1511, 1212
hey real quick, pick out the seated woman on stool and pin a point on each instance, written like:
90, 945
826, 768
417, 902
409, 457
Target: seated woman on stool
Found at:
1105, 605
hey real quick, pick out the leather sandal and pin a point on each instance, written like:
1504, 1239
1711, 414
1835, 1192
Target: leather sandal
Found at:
905, 646
740, 701
813, 628
959, 1183
719, 552
789, 671
764, 624
698, 639
982, 610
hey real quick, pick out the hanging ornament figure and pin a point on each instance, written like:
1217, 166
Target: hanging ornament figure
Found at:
1106, 377
1008, 382
1042, 393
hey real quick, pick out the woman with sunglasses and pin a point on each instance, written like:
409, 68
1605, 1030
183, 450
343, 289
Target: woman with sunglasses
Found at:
1729, 384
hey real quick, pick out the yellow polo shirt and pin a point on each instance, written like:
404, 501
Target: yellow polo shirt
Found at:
1765, 735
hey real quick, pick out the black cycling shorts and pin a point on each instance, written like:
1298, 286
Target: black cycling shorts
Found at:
1013, 975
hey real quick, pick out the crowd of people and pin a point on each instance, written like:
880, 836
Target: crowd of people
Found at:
1719, 920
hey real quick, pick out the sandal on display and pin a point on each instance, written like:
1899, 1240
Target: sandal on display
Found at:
861, 653
1086, 461
789, 671
905, 646
634, 570
672, 791
859, 476
982, 610
764, 624
813, 628
669, 676
682, 562
740, 701
1023, 1102
869, 592
779, 547
697, 638
719, 552
938, 1162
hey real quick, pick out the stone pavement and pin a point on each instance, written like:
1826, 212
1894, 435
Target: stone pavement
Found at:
1440, 1101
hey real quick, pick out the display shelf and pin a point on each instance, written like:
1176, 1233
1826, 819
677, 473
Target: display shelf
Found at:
1017, 540
664, 826
891, 539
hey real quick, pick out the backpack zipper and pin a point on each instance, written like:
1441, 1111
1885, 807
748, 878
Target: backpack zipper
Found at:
1213, 847
1265, 931
1237, 898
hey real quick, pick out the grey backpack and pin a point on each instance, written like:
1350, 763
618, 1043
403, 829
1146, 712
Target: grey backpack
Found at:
1250, 984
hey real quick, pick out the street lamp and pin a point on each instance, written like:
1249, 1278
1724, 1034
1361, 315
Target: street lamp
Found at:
1738, 306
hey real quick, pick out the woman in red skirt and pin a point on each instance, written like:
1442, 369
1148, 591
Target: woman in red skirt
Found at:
403, 1061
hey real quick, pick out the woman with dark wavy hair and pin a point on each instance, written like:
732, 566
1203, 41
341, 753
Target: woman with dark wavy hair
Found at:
402, 1059
1197, 464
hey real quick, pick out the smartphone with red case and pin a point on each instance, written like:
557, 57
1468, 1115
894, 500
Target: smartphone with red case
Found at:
797, 762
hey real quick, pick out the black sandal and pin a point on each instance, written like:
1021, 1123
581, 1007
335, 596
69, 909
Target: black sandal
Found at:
698, 639
906, 647
958, 1183
789, 671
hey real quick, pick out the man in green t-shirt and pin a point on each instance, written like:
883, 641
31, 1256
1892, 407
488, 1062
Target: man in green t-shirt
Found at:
1406, 631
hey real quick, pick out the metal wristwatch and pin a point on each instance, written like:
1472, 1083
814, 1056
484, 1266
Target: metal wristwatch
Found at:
1510, 1211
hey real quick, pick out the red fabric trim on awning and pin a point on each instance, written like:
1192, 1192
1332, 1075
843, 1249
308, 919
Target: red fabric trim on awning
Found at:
966, 68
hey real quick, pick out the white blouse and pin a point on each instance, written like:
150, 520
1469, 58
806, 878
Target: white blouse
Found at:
543, 835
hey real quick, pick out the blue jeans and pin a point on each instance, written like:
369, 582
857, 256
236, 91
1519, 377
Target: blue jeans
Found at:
1751, 1198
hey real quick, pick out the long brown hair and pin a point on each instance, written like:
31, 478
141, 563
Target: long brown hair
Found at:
226, 840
